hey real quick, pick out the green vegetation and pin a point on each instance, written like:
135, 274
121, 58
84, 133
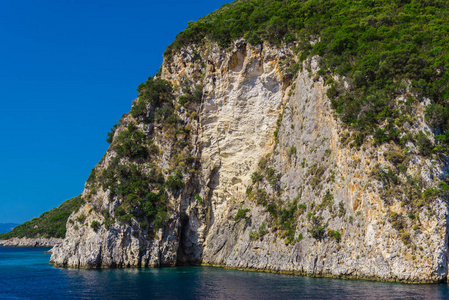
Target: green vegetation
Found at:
95, 225
292, 151
384, 49
174, 182
315, 174
132, 143
261, 197
334, 234
255, 235
241, 214
198, 199
318, 228
328, 201
256, 177
272, 177
133, 175
424, 144
285, 218
411, 190
154, 92
397, 221
81, 218
50, 224
111, 133
265, 172
143, 193
341, 209
189, 96
284, 214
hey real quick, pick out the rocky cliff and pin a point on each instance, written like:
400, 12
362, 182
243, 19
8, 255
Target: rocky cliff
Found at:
30, 242
234, 157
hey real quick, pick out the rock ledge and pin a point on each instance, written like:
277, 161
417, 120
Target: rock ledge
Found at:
26, 242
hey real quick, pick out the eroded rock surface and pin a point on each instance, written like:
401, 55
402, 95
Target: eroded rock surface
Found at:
318, 208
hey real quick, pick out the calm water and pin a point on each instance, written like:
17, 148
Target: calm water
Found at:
25, 274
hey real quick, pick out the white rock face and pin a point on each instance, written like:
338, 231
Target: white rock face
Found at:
249, 99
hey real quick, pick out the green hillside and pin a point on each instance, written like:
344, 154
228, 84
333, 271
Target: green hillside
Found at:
384, 49
381, 51
50, 224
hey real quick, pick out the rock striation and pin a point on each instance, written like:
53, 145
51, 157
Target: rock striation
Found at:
272, 186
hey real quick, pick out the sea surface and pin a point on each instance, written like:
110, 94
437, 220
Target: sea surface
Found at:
26, 274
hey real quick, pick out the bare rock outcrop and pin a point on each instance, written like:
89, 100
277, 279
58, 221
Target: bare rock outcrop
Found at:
30, 242
275, 188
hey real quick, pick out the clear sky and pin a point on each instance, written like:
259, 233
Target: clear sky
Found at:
68, 70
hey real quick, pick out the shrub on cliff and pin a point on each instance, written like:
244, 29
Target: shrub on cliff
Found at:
384, 49
95, 225
131, 143
241, 214
174, 182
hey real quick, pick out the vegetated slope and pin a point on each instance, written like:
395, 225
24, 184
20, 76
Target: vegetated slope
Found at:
136, 186
49, 224
381, 49
388, 58
298, 136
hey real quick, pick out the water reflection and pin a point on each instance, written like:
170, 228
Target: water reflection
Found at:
217, 283
28, 275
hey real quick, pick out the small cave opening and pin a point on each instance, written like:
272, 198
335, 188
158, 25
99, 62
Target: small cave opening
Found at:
188, 250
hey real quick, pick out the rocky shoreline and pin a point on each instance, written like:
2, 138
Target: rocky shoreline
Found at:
30, 242
337, 221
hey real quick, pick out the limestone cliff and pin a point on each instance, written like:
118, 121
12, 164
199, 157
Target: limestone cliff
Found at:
259, 177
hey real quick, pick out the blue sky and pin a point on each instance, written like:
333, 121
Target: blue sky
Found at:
68, 70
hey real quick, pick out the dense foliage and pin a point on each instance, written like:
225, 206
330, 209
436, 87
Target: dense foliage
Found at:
384, 49
50, 224
134, 175
133, 143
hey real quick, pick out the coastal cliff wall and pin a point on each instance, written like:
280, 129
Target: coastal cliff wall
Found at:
256, 175
30, 242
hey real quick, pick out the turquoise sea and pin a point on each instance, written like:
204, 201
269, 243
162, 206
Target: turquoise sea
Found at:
26, 274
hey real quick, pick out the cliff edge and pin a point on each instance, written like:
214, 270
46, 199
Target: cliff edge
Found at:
248, 156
